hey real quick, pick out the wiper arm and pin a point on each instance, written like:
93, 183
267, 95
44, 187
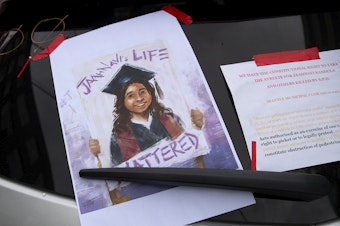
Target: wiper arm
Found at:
285, 185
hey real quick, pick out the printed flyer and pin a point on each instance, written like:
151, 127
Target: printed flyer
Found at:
290, 110
132, 94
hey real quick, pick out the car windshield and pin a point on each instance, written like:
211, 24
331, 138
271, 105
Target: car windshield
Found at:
32, 150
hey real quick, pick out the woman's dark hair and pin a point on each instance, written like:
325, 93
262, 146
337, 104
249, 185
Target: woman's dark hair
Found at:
122, 115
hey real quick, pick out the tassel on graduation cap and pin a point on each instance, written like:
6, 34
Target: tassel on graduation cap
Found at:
158, 89
127, 73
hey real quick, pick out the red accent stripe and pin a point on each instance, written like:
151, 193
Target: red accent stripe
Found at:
287, 56
50, 48
181, 16
253, 155
44, 53
24, 67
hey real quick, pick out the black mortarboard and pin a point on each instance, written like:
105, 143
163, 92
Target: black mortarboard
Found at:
124, 75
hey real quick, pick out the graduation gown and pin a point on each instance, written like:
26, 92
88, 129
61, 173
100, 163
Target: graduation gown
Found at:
128, 144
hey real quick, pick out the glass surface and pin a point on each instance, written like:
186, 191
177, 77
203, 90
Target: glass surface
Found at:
31, 143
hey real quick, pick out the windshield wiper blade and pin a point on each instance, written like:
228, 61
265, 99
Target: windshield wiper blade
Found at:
284, 185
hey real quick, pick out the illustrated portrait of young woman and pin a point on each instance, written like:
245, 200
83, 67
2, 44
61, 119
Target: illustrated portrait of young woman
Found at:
140, 119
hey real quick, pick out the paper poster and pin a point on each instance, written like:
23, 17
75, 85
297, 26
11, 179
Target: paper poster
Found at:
132, 94
291, 110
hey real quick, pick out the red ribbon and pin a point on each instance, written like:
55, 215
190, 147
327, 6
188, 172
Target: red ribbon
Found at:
287, 56
253, 155
181, 16
44, 53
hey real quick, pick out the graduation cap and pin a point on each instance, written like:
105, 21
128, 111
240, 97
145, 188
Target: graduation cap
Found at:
125, 74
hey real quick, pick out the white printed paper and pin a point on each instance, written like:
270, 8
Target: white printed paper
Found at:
291, 110
82, 66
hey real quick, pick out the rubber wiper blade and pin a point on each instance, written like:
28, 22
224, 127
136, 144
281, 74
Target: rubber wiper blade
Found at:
281, 185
